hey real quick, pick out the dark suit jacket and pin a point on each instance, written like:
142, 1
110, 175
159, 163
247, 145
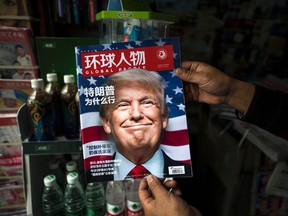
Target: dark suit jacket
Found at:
168, 162
269, 110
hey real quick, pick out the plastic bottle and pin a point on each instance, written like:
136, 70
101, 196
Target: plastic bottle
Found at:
74, 197
133, 204
62, 162
54, 90
40, 111
54, 167
115, 198
78, 158
52, 197
71, 166
69, 107
95, 199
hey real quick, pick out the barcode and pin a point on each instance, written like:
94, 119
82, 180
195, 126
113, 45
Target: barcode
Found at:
176, 170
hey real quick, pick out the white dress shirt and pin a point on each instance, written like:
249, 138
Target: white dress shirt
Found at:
155, 165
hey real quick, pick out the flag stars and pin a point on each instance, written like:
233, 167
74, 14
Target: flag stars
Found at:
181, 107
138, 43
165, 83
81, 90
79, 70
178, 90
107, 46
129, 46
92, 81
175, 55
160, 42
77, 51
173, 73
169, 99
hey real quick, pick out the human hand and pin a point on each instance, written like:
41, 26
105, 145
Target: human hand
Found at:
157, 200
205, 83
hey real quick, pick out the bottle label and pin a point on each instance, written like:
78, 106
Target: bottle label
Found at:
94, 212
42, 124
131, 30
71, 119
115, 210
134, 208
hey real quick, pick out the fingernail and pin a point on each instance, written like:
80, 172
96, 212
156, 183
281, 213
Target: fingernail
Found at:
150, 179
179, 71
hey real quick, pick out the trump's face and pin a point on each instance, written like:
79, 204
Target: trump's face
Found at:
136, 120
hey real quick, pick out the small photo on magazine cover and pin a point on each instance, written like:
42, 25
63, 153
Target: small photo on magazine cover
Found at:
132, 110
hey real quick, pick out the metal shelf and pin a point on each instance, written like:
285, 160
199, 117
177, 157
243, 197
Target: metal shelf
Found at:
52, 147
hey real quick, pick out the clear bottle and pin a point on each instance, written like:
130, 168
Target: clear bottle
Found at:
69, 107
55, 169
133, 204
115, 198
62, 162
52, 197
74, 197
95, 199
71, 166
78, 158
54, 90
40, 112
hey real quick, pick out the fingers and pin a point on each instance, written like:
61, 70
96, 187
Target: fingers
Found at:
189, 71
143, 192
156, 187
170, 183
171, 186
191, 65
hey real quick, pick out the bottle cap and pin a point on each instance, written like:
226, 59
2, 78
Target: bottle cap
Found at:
37, 83
53, 164
69, 78
52, 77
71, 166
72, 178
49, 180
75, 157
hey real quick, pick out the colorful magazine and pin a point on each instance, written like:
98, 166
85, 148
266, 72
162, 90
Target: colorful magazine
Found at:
13, 94
17, 58
115, 113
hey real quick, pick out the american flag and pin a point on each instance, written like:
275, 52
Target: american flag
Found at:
96, 146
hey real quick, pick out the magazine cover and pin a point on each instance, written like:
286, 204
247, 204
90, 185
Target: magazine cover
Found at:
17, 54
15, 14
132, 110
13, 94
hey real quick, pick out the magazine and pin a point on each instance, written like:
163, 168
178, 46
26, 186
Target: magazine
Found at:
17, 58
278, 182
15, 14
108, 111
273, 146
13, 94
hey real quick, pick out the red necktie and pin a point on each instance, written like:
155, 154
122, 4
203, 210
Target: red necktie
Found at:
138, 172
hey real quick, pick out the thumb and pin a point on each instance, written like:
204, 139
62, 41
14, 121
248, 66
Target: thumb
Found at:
156, 187
186, 75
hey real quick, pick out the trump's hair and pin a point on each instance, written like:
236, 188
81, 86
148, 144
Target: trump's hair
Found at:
147, 78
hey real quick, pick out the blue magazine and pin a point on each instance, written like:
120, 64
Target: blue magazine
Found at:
106, 157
